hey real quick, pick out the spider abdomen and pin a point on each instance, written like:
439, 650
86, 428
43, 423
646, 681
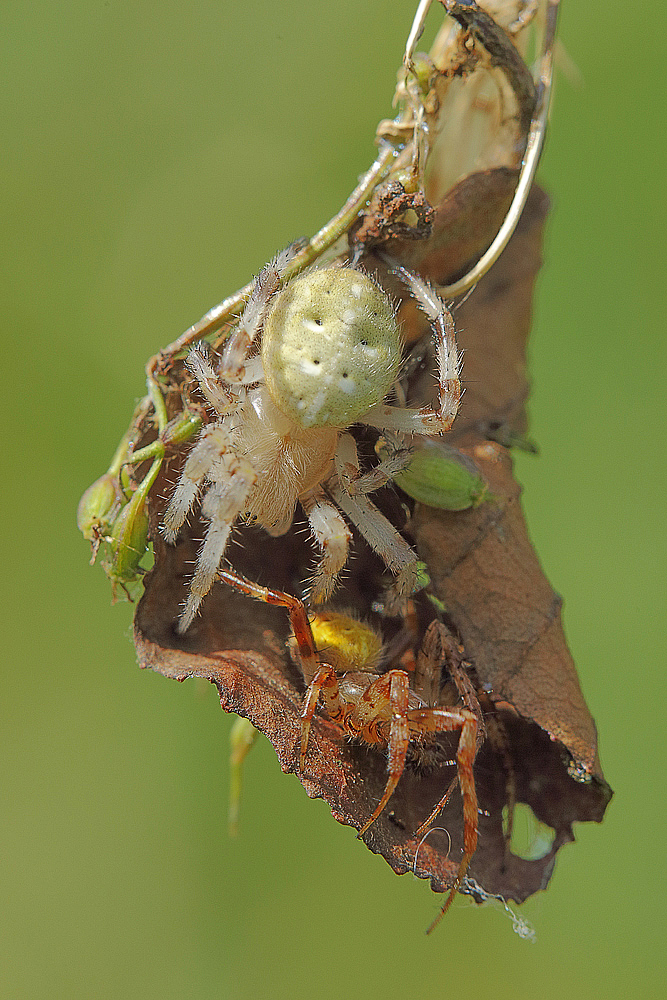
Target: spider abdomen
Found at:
331, 347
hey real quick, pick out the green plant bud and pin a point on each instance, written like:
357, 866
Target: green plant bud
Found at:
129, 540
441, 477
408, 180
242, 737
95, 506
423, 69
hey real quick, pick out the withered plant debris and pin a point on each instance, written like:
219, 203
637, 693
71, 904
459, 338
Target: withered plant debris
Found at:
385, 215
483, 571
482, 27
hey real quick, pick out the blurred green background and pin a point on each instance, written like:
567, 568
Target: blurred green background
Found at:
155, 155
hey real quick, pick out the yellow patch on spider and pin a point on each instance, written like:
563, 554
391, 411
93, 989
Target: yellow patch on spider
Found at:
345, 643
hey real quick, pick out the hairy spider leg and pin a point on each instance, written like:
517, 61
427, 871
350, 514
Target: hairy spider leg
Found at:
426, 419
333, 539
380, 534
266, 285
231, 480
328, 526
221, 397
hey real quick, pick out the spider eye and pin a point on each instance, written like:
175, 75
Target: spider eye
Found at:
316, 361
364, 343
317, 321
344, 374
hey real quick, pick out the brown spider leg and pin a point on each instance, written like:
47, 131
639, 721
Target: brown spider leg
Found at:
439, 644
436, 645
465, 687
440, 720
398, 685
438, 809
465, 757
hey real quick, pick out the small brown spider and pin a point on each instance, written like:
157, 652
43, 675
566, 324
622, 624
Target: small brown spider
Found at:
330, 352
339, 657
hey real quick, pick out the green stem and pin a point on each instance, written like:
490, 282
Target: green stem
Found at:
158, 402
153, 450
143, 489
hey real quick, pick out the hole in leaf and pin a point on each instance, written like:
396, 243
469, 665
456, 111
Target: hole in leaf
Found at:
531, 839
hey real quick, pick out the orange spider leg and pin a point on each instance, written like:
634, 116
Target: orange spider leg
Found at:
298, 616
480, 734
451, 654
321, 677
442, 720
465, 758
325, 682
395, 687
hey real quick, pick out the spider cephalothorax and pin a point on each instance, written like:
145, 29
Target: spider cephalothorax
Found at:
330, 351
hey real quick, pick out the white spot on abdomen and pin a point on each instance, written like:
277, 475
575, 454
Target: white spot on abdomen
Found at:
314, 327
310, 368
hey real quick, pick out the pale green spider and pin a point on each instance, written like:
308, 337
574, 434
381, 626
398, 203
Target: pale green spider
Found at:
330, 351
